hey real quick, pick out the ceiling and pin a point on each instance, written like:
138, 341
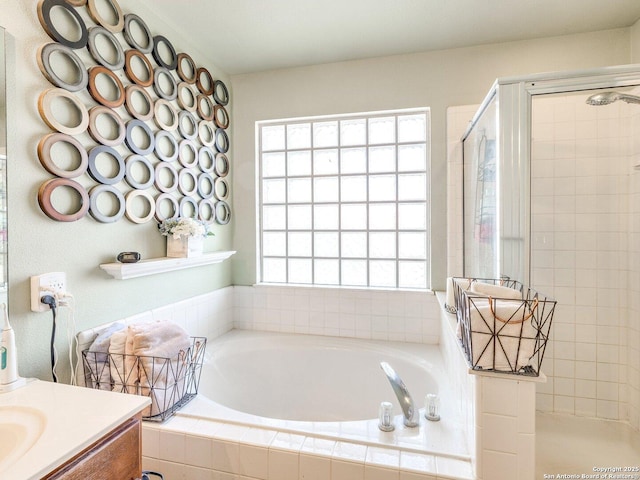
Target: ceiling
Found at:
255, 35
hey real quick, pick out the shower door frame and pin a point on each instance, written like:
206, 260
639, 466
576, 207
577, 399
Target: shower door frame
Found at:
514, 95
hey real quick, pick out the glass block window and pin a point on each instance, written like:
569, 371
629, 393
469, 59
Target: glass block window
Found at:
344, 200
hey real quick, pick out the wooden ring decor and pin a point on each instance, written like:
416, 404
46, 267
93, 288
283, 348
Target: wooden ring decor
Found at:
161, 136
175, 207
207, 210
221, 117
205, 107
172, 62
207, 133
163, 75
44, 15
136, 90
188, 153
77, 3
207, 160
171, 187
129, 207
81, 77
223, 212
206, 185
220, 93
130, 177
184, 201
94, 72
163, 106
117, 12
95, 212
44, 199
44, 155
204, 81
45, 101
187, 100
221, 189
187, 182
222, 165
94, 130
93, 170
222, 141
129, 57
187, 125
132, 125
131, 19
98, 56
190, 73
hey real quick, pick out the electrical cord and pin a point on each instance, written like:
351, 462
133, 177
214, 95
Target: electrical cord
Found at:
51, 301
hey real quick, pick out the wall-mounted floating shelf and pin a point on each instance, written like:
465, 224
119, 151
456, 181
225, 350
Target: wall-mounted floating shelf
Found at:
152, 266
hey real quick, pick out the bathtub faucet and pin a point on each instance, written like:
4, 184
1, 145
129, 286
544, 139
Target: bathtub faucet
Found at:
411, 416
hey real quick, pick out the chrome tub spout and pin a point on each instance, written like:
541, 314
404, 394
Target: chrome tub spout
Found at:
411, 415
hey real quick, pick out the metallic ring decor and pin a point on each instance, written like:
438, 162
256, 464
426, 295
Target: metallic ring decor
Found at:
187, 100
161, 137
190, 73
221, 117
188, 153
99, 57
206, 185
94, 131
223, 212
130, 177
130, 210
160, 168
161, 107
173, 202
220, 93
207, 133
99, 19
184, 201
130, 20
206, 210
204, 81
44, 199
132, 125
187, 125
221, 189
187, 182
172, 62
44, 15
207, 159
44, 155
205, 107
93, 170
81, 77
95, 212
130, 92
94, 91
222, 141
129, 67
222, 165
163, 76
45, 101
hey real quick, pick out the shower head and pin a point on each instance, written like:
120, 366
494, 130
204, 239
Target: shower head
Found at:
607, 98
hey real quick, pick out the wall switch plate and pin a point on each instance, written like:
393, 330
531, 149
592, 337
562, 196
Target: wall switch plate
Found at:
46, 284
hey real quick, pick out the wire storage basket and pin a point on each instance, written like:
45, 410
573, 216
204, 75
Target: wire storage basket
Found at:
170, 383
503, 326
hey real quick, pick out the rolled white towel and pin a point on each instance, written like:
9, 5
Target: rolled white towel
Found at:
495, 291
98, 357
131, 367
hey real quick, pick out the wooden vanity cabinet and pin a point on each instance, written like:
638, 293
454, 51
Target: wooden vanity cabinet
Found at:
116, 456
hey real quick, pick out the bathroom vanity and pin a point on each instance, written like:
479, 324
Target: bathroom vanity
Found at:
56, 431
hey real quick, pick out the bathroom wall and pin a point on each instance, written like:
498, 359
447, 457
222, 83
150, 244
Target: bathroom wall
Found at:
635, 42
39, 245
632, 333
435, 79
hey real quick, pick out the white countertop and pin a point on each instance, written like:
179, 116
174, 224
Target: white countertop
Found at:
76, 417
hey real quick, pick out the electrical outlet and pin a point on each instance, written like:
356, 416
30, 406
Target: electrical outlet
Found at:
46, 284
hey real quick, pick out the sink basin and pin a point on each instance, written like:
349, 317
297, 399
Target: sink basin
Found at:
20, 428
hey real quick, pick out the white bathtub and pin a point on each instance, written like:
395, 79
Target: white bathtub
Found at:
325, 387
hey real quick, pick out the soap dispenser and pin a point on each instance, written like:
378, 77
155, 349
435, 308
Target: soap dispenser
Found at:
8, 356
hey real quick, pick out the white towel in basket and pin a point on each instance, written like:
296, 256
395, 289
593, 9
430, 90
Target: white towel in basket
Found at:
495, 291
98, 356
119, 376
502, 327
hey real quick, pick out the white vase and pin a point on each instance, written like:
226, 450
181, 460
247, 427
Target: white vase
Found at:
184, 247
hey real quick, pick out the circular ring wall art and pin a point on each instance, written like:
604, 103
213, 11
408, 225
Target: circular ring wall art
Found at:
95, 33
163, 53
103, 151
149, 205
188, 153
75, 117
206, 159
163, 170
164, 84
187, 70
161, 201
138, 68
114, 8
79, 76
223, 212
78, 39
46, 191
166, 146
106, 190
134, 96
187, 100
220, 93
148, 144
132, 163
131, 23
98, 112
207, 210
45, 148
207, 133
95, 74
204, 81
221, 117
165, 115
